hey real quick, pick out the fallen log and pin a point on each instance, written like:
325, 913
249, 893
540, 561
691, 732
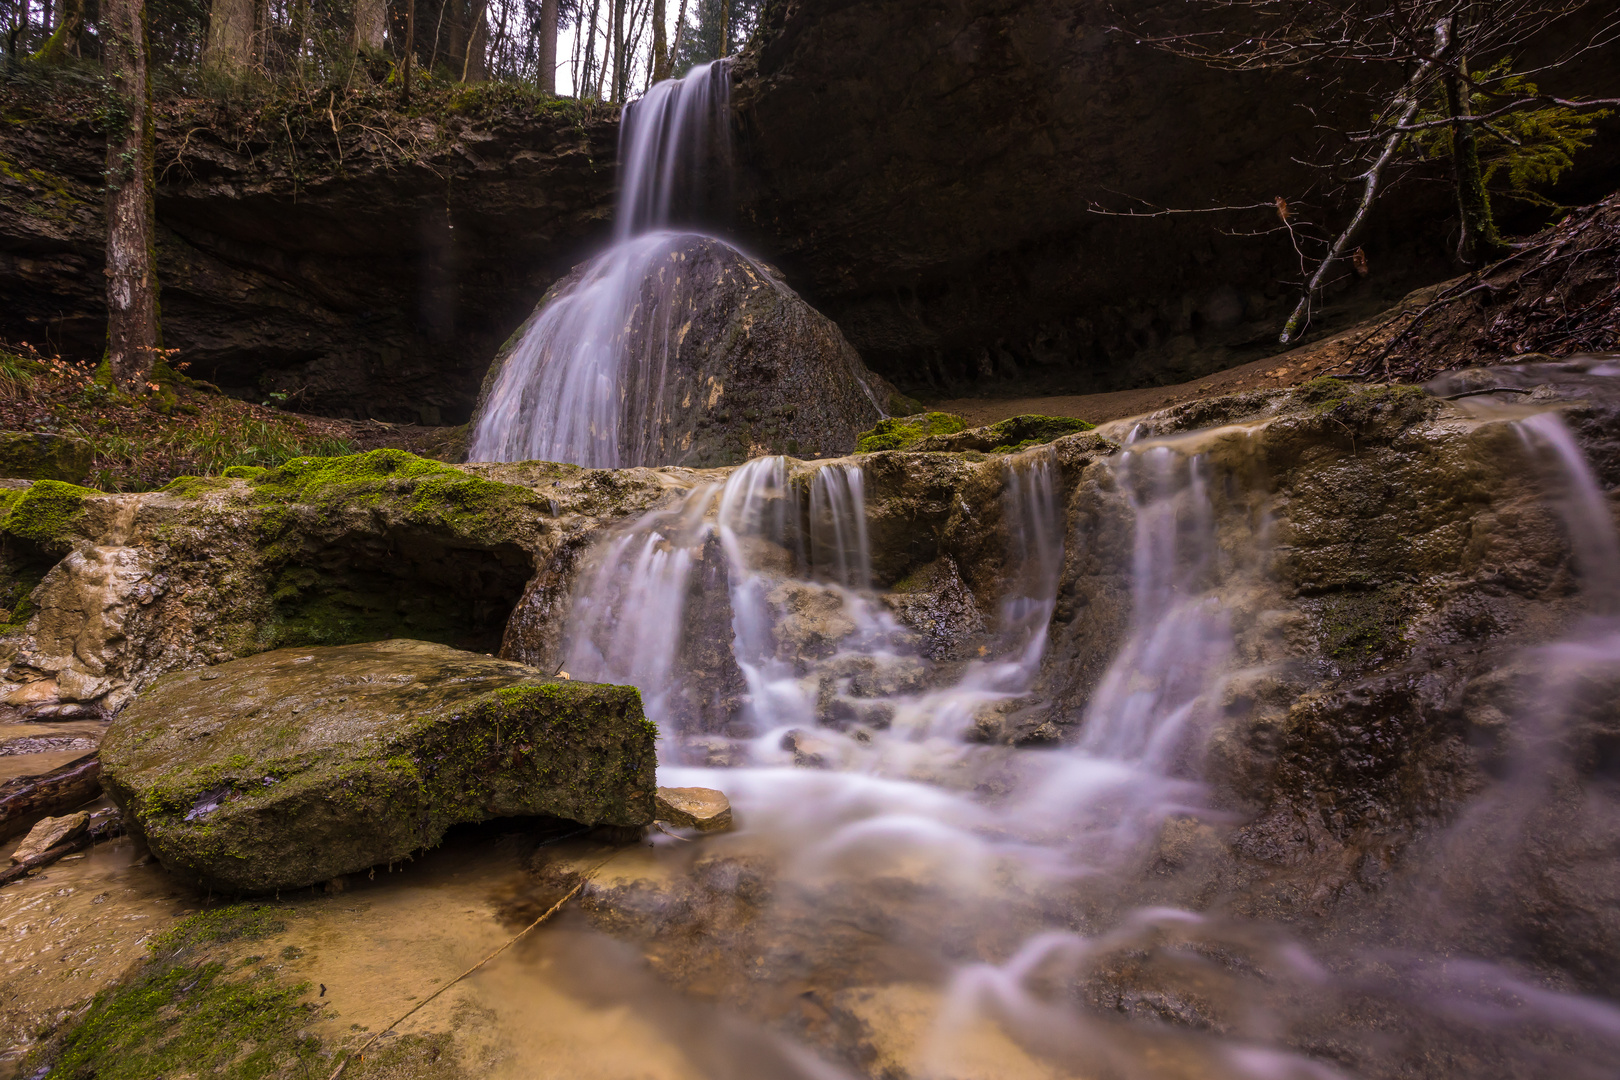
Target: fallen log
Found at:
65, 788
105, 829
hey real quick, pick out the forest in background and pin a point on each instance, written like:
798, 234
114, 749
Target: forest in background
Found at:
603, 50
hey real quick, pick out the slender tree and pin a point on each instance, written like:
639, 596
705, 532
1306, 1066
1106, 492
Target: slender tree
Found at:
617, 35
661, 65
132, 288
370, 22
230, 33
547, 59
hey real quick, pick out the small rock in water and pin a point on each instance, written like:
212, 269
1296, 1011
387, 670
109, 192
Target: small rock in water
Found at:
703, 809
50, 832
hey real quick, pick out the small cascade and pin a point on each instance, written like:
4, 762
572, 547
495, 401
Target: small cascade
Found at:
838, 544
1580, 503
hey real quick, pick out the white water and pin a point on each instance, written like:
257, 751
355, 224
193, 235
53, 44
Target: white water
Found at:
586, 382
859, 765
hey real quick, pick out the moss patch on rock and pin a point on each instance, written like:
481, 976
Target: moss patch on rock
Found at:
182, 1012
44, 515
290, 768
897, 433
38, 455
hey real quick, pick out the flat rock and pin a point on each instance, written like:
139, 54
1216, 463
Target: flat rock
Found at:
704, 809
295, 766
49, 832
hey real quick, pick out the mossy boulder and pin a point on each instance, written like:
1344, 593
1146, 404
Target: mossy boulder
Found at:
897, 433
299, 765
44, 515
944, 432
40, 455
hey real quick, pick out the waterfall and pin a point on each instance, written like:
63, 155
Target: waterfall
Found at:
585, 384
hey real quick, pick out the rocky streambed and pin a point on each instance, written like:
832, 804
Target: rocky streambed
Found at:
1264, 735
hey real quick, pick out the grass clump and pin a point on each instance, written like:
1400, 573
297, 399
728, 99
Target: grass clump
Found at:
897, 433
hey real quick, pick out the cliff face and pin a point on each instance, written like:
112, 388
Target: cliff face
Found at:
924, 172
363, 263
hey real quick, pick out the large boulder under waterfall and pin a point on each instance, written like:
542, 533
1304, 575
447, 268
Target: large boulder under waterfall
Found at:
299, 765
714, 358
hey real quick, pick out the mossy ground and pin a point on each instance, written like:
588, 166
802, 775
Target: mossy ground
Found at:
191, 1009
182, 428
43, 515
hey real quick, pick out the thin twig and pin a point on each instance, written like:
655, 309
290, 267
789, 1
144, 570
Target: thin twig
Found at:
552, 910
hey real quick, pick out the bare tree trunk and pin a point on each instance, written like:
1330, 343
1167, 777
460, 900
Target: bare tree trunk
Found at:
592, 81
477, 42
410, 45
660, 51
370, 20
548, 46
680, 36
1479, 236
132, 288
230, 33
725, 28
1404, 107
64, 40
370, 23
620, 68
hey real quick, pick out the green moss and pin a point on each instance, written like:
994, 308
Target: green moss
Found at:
46, 514
899, 432
179, 1015
1358, 627
244, 472
1366, 406
1023, 432
233, 922
191, 487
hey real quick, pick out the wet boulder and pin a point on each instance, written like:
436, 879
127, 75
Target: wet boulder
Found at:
299, 765
721, 360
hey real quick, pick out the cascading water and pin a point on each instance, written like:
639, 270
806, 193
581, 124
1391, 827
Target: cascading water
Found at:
586, 383
857, 764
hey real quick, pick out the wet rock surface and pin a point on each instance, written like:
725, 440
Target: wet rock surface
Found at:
294, 767
727, 363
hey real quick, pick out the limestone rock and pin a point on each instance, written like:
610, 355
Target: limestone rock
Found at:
40, 455
298, 765
48, 833
703, 809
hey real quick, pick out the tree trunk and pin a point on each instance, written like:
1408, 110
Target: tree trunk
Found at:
725, 28
620, 68
370, 22
410, 46
1479, 237
680, 36
591, 84
132, 289
660, 49
64, 40
230, 33
548, 46
473, 67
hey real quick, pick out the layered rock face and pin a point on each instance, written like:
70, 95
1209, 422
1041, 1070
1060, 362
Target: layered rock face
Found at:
924, 173
296, 766
718, 360
368, 276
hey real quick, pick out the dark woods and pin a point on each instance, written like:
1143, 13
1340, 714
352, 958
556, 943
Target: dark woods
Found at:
607, 50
